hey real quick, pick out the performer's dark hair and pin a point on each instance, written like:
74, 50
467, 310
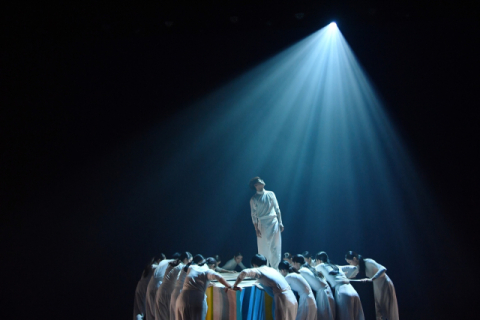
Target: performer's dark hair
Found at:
322, 255
187, 266
238, 254
301, 259
199, 260
217, 257
176, 255
148, 268
307, 254
211, 260
258, 260
185, 255
287, 255
160, 257
361, 261
284, 265
253, 181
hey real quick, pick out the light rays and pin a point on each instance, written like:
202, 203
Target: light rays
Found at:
310, 123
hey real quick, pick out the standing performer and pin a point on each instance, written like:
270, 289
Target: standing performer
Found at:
383, 290
275, 285
348, 305
267, 220
307, 307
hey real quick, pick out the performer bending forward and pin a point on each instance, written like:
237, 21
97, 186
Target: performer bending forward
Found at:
267, 220
274, 284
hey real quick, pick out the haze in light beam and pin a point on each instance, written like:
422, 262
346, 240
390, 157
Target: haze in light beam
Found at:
309, 122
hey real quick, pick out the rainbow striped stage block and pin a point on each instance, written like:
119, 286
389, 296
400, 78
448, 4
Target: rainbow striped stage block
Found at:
251, 303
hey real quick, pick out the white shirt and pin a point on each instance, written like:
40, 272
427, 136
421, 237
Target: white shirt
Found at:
333, 279
232, 265
198, 278
264, 204
268, 277
298, 284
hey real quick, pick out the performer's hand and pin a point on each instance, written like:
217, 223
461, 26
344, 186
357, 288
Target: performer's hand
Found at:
282, 228
259, 234
233, 288
367, 280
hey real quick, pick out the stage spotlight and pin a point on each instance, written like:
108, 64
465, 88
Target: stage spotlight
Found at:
332, 24
299, 15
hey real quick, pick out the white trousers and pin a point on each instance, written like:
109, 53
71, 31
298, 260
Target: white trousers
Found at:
270, 244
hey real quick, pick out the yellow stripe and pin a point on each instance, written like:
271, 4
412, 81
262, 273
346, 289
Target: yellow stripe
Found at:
210, 304
268, 307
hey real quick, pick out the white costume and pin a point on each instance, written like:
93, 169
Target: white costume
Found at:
348, 305
141, 294
386, 306
266, 215
325, 300
153, 285
192, 301
176, 292
275, 284
164, 292
232, 265
307, 308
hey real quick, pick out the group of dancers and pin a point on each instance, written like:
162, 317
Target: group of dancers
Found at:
175, 288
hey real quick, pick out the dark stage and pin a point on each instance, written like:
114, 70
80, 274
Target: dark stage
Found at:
110, 156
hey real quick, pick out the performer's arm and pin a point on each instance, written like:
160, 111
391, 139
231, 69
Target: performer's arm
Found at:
212, 275
350, 271
218, 269
252, 273
277, 210
255, 218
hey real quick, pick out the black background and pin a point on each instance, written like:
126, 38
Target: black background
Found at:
81, 82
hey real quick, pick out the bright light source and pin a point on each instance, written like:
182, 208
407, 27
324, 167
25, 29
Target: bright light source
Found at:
332, 25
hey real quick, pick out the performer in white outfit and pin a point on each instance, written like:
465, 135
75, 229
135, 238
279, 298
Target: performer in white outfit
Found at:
192, 301
141, 291
275, 284
267, 220
152, 288
325, 300
232, 264
348, 305
217, 266
177, 290
309, 258
287, 257
386, 306
307, 307
164, 292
